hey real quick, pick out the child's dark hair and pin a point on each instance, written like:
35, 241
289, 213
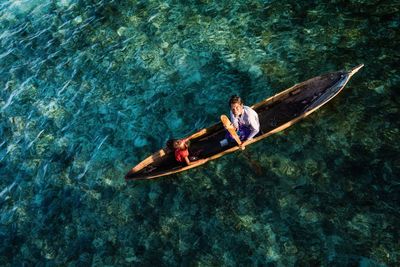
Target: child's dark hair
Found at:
235, 99
175, 143
170, 143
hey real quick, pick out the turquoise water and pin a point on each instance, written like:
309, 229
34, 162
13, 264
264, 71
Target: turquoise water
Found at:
90, 88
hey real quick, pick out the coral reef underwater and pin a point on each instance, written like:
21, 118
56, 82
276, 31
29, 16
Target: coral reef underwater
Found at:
89, 88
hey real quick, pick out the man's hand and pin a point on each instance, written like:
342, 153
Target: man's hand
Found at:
243, 146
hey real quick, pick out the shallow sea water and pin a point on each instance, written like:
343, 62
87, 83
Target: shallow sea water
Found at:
90, 88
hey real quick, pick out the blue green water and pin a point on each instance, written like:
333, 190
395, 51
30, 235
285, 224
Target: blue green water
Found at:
90, 88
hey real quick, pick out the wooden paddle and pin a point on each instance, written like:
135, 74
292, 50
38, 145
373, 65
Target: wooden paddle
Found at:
231, 129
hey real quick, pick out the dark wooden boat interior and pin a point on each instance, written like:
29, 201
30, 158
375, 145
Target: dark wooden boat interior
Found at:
275, 114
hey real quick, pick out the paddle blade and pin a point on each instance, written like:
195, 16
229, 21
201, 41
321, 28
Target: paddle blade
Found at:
230, 128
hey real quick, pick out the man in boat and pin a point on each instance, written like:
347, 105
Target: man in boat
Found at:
244, 119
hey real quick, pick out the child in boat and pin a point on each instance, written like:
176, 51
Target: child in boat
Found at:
181, 147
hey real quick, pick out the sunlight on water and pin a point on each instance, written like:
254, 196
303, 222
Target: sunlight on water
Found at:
90, 88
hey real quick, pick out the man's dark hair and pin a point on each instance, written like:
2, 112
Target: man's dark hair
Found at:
235, 99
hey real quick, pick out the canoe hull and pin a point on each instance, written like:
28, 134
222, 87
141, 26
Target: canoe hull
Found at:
275, 113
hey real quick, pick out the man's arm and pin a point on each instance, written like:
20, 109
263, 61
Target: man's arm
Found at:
254, 128
253, 133
254, 125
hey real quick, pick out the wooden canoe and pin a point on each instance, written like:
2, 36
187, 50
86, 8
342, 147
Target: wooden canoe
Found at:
275, 113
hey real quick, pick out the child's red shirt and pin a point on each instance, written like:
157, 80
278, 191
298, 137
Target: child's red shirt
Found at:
180, 154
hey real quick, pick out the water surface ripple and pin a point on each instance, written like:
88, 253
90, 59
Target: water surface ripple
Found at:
89, 88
